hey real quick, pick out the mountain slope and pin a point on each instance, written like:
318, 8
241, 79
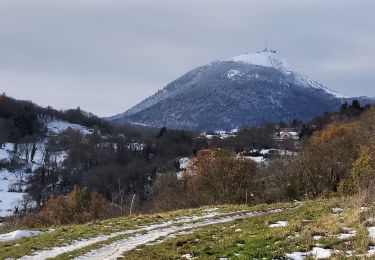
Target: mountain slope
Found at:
245, 90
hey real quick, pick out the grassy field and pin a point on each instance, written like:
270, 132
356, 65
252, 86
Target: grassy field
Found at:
337, 226
63, 235
311, 225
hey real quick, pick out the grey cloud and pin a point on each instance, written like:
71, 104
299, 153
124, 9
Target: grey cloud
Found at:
107, 55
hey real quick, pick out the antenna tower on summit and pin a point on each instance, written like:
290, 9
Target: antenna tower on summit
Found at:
266, 49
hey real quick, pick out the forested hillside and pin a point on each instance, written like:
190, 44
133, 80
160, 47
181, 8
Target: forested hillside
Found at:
54, 158
70, 167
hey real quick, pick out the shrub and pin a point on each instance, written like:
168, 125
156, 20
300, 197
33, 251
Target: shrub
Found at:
79, 206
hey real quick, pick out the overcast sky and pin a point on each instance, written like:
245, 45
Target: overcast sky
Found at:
107, 55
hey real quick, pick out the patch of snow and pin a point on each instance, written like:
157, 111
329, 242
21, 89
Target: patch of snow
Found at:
5, 152
118, 248
8, 200
184, 163
271, 59
336, 210
317, 237
320, 253
348, 233
187, 256
154, 232
53, 252
61, 126
210, 210
371, 233
371, 251
265, 59
18, 234
316, 253
257, 159
296, 256
344, 236
232, 73
279, 224
280, 151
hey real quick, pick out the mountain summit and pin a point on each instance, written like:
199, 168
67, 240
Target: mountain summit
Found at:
245, 90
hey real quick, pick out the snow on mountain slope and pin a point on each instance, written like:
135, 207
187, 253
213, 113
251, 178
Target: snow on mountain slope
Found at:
60, 126
271, 59
12, 182
265, 59
8, 200
13, 179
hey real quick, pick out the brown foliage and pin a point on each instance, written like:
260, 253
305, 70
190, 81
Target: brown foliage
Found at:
222, 178
214, 177
79, 206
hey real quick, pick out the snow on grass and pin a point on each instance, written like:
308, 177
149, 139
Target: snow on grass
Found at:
5, 151
320, 253
317, 237
316, 253
118, 248
279, 151
257, 159
210, 210
4, 155
18, 234
145, 235
187, 256
279, 224
54, 252
184, 163
264, 152
371, 233
336, 210
16, 179
296, 256
8, 200
371, 251
348, 233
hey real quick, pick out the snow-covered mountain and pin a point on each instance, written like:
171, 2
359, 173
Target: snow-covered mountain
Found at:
244, 90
